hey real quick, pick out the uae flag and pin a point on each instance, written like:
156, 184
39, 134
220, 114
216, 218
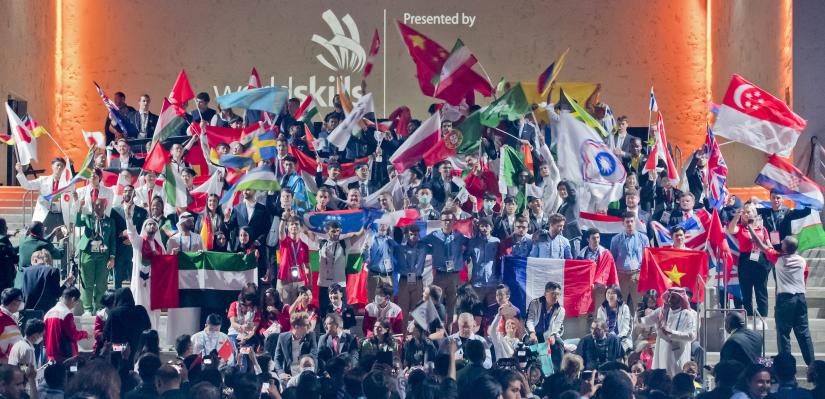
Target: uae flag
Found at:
526, 278
202, 279
663, 268
751, 116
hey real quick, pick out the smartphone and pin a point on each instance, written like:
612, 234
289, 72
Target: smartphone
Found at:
118, 347
587, 375
207, 361
265, 387
73, 368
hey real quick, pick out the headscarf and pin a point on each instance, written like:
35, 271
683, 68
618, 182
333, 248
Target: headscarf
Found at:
684, 302
151, 245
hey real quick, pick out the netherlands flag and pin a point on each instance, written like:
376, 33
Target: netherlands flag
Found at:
780, 176
526, 278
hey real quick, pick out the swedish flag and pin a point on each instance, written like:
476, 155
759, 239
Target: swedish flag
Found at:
263, 146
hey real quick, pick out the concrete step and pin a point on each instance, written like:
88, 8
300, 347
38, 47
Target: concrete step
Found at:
711, 358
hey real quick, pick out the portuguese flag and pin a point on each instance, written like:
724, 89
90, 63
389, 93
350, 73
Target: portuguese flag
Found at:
200, 279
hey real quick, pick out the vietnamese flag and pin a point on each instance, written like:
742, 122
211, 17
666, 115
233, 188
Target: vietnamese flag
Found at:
663, 268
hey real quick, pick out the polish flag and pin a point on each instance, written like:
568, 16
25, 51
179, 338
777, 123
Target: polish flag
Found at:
426, 137
751, 116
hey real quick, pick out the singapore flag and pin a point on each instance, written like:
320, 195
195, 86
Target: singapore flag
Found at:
751, 116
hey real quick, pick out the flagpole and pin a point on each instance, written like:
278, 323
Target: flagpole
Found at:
509, 134
485, 72
649, 112
56, 144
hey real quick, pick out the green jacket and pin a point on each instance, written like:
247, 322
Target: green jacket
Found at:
30, 244
107, 231
139, 216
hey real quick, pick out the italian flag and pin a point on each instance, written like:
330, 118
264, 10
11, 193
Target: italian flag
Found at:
169, 121
202, 279
308, 109
460, 61
808, 230
174, 188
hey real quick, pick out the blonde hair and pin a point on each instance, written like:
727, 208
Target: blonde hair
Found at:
41, 257
571, 360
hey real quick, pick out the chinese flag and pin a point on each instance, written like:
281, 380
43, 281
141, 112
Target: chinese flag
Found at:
225, 351
663, 268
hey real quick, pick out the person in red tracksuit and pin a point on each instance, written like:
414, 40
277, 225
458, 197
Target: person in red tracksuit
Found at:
61, 333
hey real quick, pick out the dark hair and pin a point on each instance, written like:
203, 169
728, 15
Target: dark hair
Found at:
331, 115
629, 214
203, 96
108, 298
249, 288
182, 343
149, 342
675, 229
483, 387
375, 386
59, 160
791, 244
98, 379
214, 319
10, 295
618, 291
385, 289
556, 218
474, 351
503, 287
335, 288
73, 293
303, 290
37, 229
646, 298
204, 390
34, 326
148, 366
750, 372
309, 386
658, 380
55, 375
727, 372
551, 285
436, 293
616, 385
784, 366
167, 373
682, 384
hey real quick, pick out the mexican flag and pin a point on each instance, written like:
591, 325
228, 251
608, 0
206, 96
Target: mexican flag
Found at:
202, 279
808, 230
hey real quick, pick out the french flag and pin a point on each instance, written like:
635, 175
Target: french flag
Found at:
751, 116
780, 176
526, 278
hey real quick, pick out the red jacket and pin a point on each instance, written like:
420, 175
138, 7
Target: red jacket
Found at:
61, 334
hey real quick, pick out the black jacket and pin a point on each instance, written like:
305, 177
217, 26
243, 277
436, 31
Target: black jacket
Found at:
744, 346
589, 351
346, 344
41, 287
151, 123
126, 320
259, 224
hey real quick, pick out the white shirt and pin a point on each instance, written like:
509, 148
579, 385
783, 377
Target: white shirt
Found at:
250, 207
790, 274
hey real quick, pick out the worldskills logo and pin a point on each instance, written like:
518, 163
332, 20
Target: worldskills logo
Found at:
344, 56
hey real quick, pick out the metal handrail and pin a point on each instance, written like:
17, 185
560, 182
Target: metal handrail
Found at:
28, 202
762, 319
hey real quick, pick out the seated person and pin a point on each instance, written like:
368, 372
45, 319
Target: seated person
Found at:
294, 344
383, 308
211, 340
599, 347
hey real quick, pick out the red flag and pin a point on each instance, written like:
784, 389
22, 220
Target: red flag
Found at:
165, 282
254, 80
606, 270
181, 91
415, 147
376, 44
157, 159
357, 288
578, 287
309, 138
197, 160
400, 119
660, 151
464, 227
663, 268
225, 351
308, 164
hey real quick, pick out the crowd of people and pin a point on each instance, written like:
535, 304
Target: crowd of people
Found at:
439, 322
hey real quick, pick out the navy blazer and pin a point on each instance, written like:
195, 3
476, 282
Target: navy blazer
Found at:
346, 344
259, 224
151, 123
283, 350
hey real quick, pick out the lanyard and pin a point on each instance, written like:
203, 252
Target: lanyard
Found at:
448, 243
296, 246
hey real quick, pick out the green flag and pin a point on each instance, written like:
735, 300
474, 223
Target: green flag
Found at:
470, 133
511, 106
580, 113
512, 163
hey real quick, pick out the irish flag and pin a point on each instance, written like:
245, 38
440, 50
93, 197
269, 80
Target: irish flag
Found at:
202, 279
751, 116
308, 109
808, 230
526, 278
427, 136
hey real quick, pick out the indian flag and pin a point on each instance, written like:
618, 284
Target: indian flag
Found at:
808, 230
169, 122
308, 109
202, 279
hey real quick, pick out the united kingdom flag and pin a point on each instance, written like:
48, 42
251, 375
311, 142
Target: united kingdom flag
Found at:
717, 173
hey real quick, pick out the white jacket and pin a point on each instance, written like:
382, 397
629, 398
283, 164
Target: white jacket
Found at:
43, 185
623, 319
